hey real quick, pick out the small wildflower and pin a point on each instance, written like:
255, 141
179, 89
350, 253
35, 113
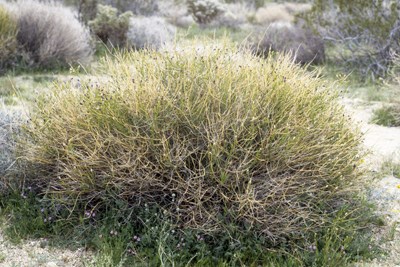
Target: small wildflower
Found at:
398, 186
42, 210
312, 248
138, 239
131, 251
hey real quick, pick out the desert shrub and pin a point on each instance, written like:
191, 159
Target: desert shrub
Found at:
204, 11
50, 35
109, 26
272, 13
176, 13
88, 9
149, 32
296, 8
216, 138
254, 3
387, 116
234, 17
10, 122
137, 7
276, 12
365, 34
300, 43
8, 38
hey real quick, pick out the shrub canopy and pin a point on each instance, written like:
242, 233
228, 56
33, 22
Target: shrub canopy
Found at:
110, 26
50, 35
214, 136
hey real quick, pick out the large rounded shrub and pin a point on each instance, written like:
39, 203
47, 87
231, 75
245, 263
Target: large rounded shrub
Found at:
302, 44
149, 32
50, 34
215, 137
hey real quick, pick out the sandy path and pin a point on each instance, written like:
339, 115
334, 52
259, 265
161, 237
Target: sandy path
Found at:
384, 145
383, 142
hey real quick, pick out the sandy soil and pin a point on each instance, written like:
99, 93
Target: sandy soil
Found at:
384, 145
34, 253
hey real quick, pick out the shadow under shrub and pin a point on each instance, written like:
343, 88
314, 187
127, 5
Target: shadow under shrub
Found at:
217, 138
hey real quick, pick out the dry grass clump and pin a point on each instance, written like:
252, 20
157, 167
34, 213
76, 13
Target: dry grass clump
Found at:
8, 37
216, 138
110, 27
149, 32
388, 116
10, 122
275, 12
50, 34
300, 43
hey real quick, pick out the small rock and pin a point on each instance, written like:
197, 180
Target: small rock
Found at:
51, 264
